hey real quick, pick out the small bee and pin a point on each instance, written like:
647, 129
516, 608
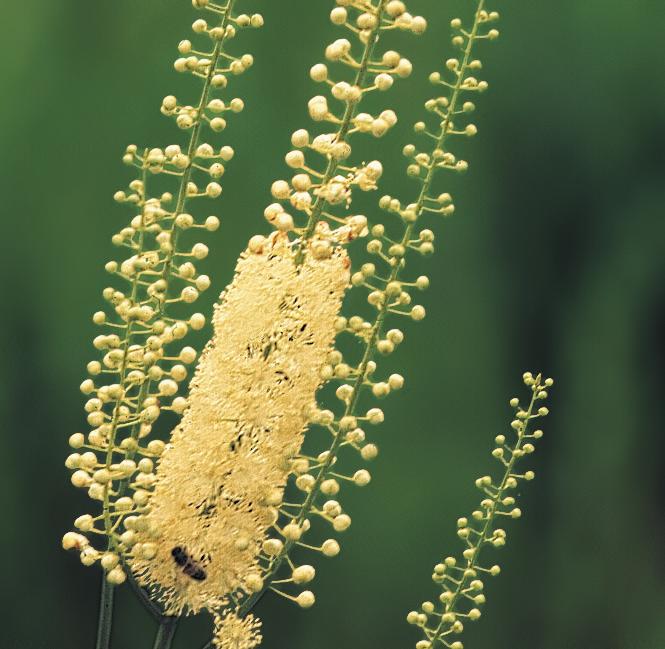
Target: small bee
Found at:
188, 565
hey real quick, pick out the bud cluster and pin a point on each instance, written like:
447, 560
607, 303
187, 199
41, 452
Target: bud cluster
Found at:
318, 195
462, 580
143, 360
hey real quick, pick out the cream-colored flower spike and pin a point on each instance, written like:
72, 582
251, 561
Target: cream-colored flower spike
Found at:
221, 478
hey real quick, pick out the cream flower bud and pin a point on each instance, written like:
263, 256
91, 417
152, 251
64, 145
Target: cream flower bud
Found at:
342, 522
303, 574
319, 72
330, 548
306, 599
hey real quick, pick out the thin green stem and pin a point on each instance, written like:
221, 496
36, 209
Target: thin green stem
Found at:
143, 596
166, 633
105, 615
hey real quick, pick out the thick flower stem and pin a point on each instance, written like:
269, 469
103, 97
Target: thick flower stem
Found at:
166, 633
105, 615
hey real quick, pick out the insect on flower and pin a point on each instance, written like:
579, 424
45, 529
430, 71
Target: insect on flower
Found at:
189, 566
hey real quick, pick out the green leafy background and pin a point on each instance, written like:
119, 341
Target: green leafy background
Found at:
553, 261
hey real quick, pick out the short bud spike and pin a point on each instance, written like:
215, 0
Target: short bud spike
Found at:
477, 532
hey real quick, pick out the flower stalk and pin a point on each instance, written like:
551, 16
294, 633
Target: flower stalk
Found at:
461, 581
166, 633
105, 620
317, 193
350, 111
389, 295
139, 375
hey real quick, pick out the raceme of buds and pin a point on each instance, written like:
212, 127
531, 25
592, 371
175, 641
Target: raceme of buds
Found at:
461, 579
324, 178
143, 358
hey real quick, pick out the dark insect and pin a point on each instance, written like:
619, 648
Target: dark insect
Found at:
188, 565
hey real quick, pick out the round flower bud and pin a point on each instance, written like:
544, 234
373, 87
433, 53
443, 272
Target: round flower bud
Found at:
330, 548
168, 387
89, 556
417, 313
84, 523
306, 599
292, 532
303, 574
179, 405
116, 576
369, 452
73, 541
200, 251
380, 390
338, 16
73, 461
156, 447
383, 81
295, 159
329, 487
77, 440
284, 222
81, 479
257, 244
396, 381
280, 189
109, 560
361, 478
254, 583
305, 482
300, 138
342, 523
188, 355
375, 416
197, 321
319, 72
344, 392
272, 547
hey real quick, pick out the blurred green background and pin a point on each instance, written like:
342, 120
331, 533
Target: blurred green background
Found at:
554, 261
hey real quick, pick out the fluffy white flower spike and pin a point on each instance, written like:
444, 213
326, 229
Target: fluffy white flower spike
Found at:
220, 480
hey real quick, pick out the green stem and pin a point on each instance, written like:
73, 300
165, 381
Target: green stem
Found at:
105, 615
143, 596
166, 633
